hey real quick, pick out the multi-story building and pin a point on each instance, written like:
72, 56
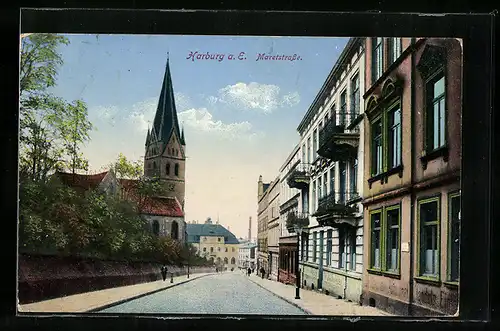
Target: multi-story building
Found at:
329, 178
273, 228
289, 199
214, 242
247, 256
262, 224
412, 177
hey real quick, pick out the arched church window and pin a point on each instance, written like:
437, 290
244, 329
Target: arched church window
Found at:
167, 168
226, 261
177, 169
233, 260
175, 230
156, 228
154, 164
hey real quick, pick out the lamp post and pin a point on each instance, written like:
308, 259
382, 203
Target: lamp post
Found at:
298, 230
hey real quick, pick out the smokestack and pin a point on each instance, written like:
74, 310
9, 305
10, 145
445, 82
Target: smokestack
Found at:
250, 228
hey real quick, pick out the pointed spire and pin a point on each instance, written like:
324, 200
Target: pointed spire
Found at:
165, 121
148, 136
183, 141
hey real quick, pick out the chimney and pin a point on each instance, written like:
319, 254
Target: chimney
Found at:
250, 228
260, 188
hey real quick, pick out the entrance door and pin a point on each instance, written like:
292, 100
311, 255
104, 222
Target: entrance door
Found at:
320, 269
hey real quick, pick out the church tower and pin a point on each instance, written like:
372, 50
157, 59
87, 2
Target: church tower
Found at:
165, 156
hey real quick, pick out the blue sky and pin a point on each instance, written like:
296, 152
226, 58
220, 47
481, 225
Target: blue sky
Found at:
240, 116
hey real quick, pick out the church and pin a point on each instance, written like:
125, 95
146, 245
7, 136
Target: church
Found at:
164, 159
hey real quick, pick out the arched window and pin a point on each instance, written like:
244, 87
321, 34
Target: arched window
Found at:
176, 169
156, 228
226, 261
226, 249
154, 164
218, 260
211, 249
167, 169
233, 260
175, 230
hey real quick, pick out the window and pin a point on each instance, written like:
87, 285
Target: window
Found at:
174, 231
329, 247
308, 150
218, 249
315, 234
435, 114
204, 249
156, 228
332, 179
376, 226
428, 216
226, 249
343, 182
304, 154
325, 184
395, 147
211, 249
353, 177
154, 165
333, 111
315, 144
226, 261
343, 108
233, 260
377, 147
176, 169
313, 198
352, 249
355, 95
377, 58
342, 242
454, 237
393, 240
305, 201
395, 49
320, 187
218, 239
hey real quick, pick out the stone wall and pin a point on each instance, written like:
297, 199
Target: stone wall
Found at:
47, 277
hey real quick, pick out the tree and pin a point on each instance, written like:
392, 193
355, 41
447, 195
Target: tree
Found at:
127, 169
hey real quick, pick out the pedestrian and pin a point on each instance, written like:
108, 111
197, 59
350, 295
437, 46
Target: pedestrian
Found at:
164, 272
263, 272
249, 272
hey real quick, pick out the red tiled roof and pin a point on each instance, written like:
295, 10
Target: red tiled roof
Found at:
82, 182
161, 206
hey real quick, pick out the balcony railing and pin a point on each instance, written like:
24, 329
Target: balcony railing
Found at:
296, 219
300, 176
337, 204
336, 142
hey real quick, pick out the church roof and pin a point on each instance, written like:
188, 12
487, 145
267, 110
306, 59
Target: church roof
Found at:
195, 231
159, 206
165, 121
81, 182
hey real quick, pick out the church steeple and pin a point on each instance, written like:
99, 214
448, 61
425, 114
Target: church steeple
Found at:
165, 122
183, 142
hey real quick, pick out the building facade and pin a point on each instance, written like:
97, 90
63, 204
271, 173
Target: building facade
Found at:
329, 178
247, 256
289, 205
273, 229
262, 224
215, 243
412, 178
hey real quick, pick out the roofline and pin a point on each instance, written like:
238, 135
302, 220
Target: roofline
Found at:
290, 157
336, 70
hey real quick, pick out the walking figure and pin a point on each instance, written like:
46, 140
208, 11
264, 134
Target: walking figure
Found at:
249, 271
262, 271
164, 272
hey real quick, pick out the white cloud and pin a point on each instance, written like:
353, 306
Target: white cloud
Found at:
262, 97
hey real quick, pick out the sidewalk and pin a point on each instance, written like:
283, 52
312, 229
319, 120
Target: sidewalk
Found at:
316, 303
85, 302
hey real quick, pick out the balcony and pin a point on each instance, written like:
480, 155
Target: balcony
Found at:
300, 177
336, 208
299, 219
339, 138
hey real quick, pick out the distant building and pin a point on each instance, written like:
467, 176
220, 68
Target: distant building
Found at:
214, 242
273, 229
247, 255
262, 224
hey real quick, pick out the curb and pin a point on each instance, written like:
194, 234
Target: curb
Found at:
119, 302
308, 312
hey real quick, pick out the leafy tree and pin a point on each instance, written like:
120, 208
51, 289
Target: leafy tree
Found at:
127, 169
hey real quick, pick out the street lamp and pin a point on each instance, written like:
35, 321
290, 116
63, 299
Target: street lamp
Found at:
298, 230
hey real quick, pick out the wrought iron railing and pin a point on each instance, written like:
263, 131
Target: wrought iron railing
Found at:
337, 123
299, 176
294, 219
337, 202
